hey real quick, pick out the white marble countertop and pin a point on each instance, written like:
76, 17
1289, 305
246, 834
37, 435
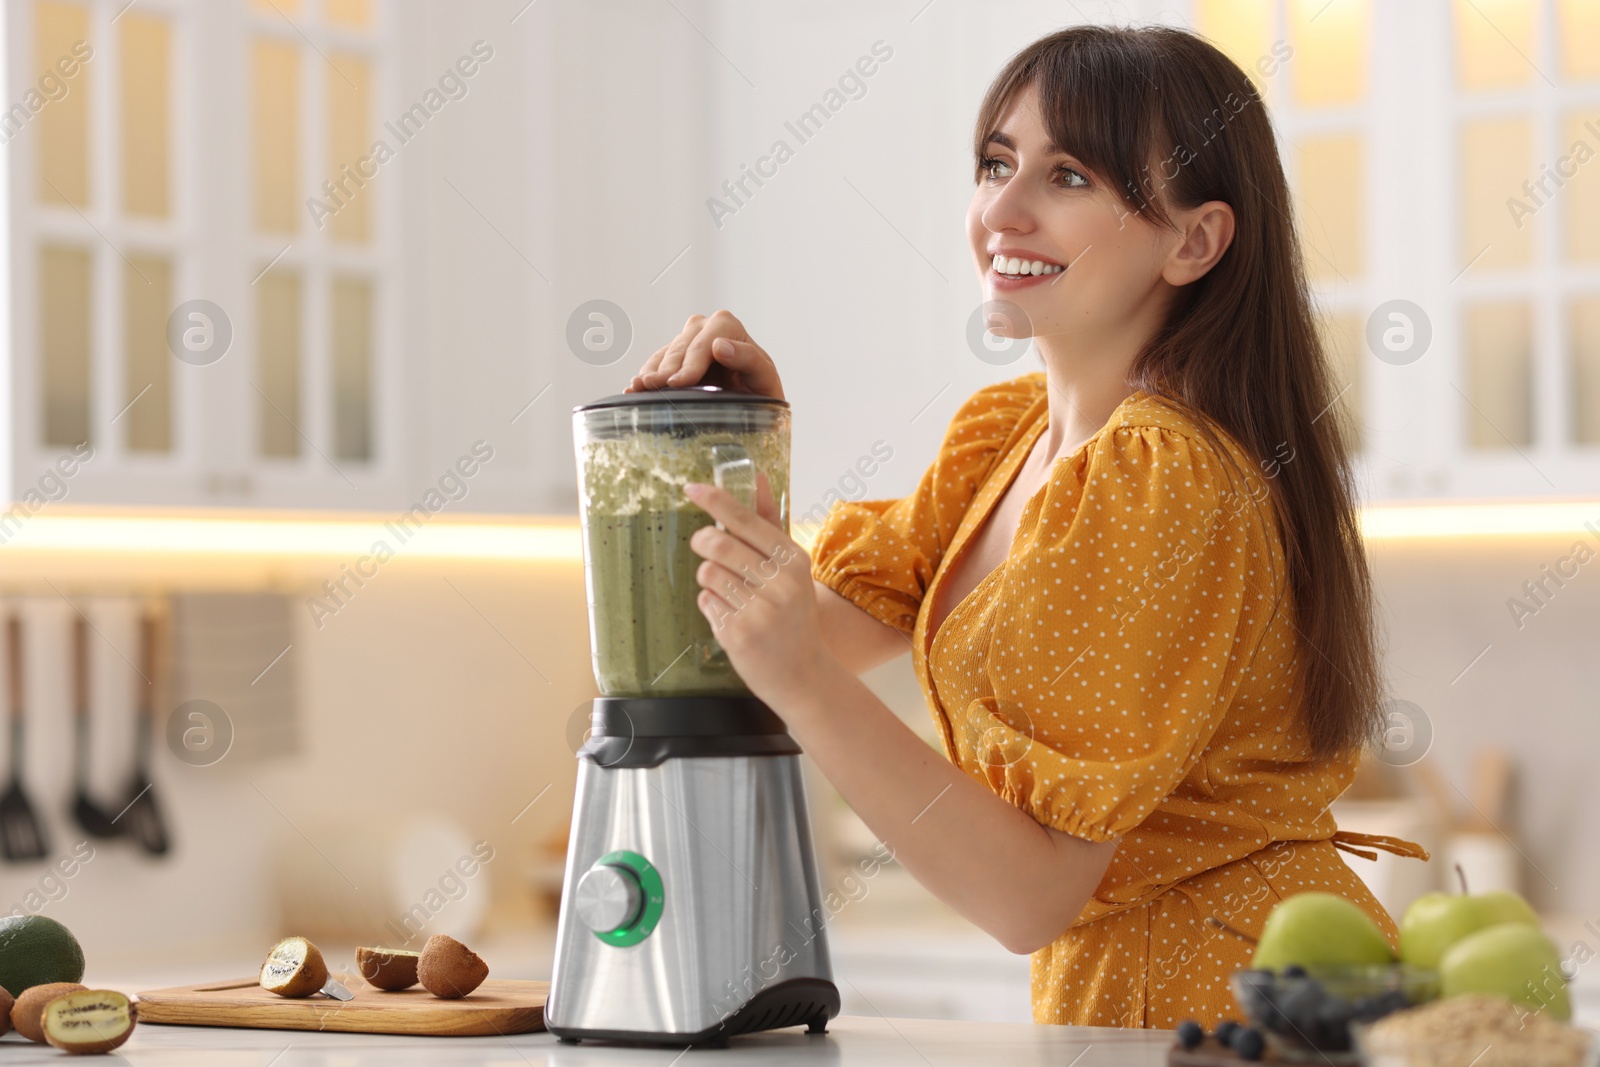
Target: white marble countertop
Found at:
851, 1039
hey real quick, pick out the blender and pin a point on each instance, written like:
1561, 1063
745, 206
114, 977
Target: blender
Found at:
691, 908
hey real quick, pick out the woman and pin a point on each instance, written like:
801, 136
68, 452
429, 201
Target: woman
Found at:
1132, 584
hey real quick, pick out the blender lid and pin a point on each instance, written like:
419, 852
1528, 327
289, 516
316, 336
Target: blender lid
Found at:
693, 394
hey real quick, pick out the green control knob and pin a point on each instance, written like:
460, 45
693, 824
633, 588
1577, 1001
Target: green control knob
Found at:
619, 898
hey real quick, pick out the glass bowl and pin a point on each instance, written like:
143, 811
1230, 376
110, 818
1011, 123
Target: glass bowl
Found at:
1306, 1016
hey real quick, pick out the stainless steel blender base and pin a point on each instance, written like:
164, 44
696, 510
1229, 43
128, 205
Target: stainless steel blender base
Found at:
736, 942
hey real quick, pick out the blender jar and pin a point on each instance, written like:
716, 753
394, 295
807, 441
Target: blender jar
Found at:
635, 453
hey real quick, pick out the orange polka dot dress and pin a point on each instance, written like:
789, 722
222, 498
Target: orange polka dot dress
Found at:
1125, 673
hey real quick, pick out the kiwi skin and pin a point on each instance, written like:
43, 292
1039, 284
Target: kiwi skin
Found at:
448, 969
7, 1002
89, 1047
27, 1013
388, 969
311, 977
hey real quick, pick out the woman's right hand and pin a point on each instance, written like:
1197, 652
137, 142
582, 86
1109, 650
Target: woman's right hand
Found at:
711, 351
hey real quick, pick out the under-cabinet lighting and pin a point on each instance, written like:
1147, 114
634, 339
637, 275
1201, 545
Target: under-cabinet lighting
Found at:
555, 541
559, 539
1444, 521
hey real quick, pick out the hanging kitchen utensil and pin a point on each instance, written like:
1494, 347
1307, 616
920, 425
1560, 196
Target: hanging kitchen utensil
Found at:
22, 835
143, 814
95, 820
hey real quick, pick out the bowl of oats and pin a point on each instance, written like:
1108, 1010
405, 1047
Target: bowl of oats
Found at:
1477, 1029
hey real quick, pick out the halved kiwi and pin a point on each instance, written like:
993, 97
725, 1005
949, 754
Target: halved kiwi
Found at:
29, 1008
388, 968
88, 1021
294, 968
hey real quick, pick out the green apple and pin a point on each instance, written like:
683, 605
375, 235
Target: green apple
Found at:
1435, 921
1509, 959
1319, 929
1507, 907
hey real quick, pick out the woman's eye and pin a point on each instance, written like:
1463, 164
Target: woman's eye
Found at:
1081, 180
987, 165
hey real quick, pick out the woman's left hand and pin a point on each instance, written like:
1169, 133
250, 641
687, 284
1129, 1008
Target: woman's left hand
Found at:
757, 592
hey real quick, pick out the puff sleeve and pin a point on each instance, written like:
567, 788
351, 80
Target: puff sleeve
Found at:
882, 554
1127, 619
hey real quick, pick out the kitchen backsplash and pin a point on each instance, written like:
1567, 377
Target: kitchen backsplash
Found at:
448, 689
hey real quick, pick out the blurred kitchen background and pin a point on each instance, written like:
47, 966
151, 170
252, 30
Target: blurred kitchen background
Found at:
301, 294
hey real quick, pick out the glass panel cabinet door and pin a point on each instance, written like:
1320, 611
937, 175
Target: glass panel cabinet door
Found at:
65, 288
201, 249
1449, 187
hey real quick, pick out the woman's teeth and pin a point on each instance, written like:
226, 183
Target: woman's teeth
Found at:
1017, 268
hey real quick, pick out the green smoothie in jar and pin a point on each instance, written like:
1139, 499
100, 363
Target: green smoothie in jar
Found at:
636, 451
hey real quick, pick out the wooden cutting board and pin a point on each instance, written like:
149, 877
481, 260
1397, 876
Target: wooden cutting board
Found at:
496, 1007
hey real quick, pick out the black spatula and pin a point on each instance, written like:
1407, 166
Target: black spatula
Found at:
95, 820
22, 835
142, 817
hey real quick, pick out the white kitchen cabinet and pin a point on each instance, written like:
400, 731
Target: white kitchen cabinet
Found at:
1408, 131
174, 302
379, 331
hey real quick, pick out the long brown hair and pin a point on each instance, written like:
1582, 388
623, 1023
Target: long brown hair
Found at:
1164, 117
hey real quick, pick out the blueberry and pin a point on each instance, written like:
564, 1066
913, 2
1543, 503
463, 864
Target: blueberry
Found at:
1333, 1019
1190, 1033
1334, 1008
1267, 1003
1392, 1000
1256, 999
1300, 1001
1225, 1030
1365, 1008
1336, 1042
1294, 970
1248, 1043
1297, 1017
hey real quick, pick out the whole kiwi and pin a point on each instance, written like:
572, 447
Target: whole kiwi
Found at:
448, 969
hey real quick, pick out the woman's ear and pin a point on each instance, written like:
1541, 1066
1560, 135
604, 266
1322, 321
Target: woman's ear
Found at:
1207, 233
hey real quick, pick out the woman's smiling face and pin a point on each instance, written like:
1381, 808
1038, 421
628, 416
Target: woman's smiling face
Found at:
1103, 264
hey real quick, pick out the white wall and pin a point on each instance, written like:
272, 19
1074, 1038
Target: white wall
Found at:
1534, 692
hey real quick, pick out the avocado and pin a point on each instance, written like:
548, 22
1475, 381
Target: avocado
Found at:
34, 950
